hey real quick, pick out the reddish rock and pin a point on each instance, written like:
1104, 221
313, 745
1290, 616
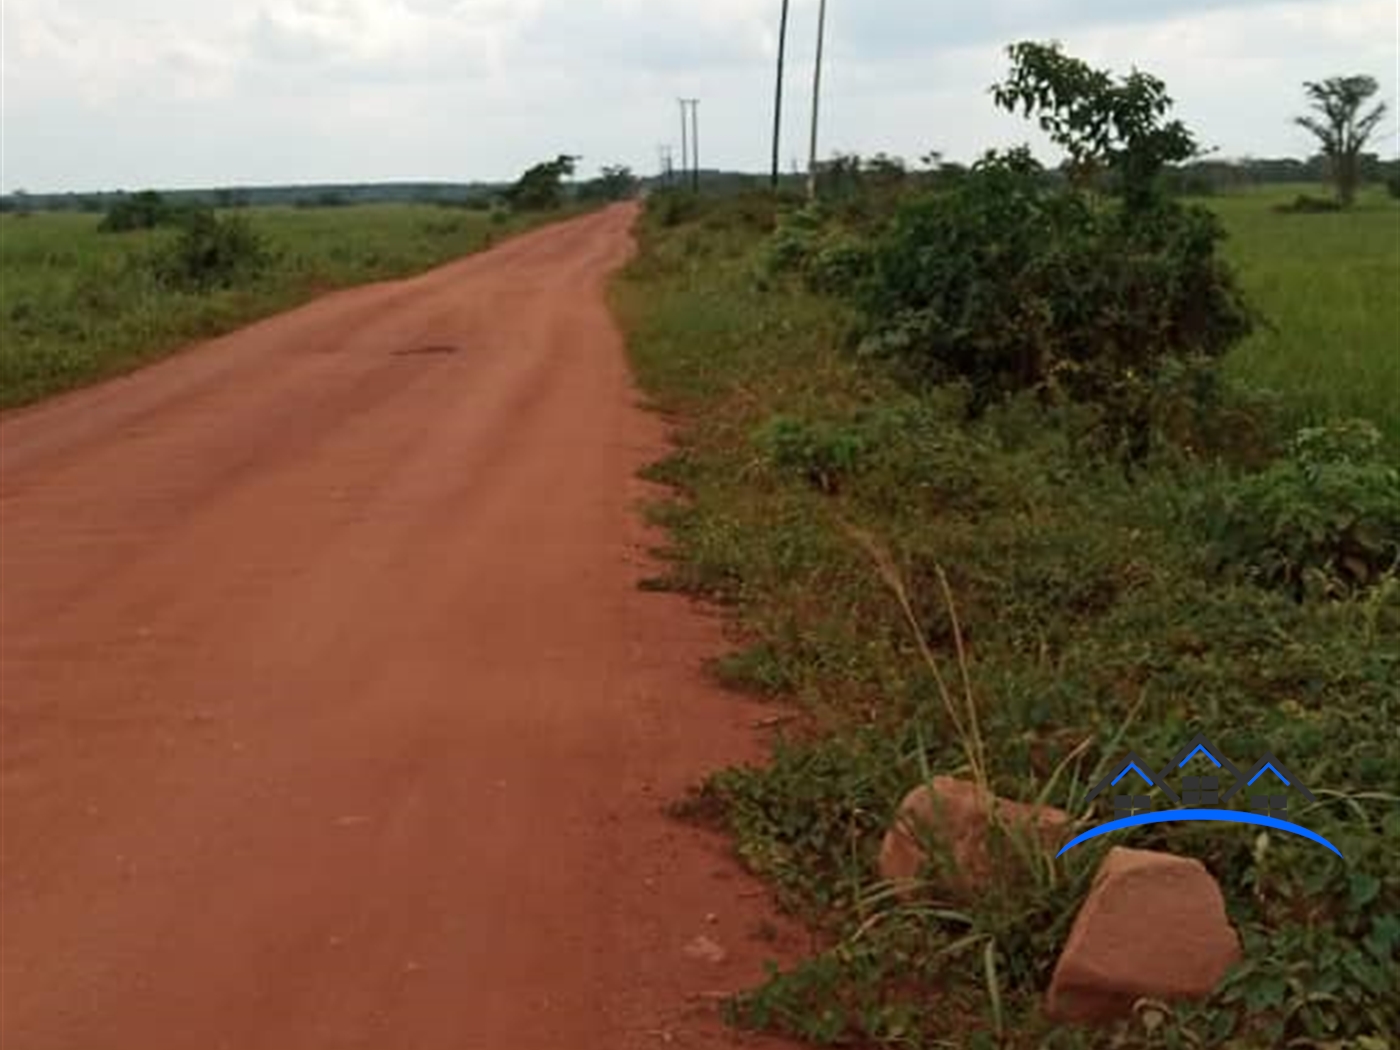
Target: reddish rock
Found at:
1154, 927
953, 814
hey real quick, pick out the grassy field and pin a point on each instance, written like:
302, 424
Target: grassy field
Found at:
844, 523
77, 305
1327, 284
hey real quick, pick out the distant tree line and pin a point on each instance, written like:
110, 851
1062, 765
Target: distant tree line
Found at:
475, 194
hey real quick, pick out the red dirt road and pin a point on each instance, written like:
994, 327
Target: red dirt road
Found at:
332, 716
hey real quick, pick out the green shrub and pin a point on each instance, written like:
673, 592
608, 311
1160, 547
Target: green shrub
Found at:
839, 264
1198, 411
794, 241
671, 208
1011, 286
821, 453
211, 252
140, 211
809, 242
1325, 520
1303, 204
741, 211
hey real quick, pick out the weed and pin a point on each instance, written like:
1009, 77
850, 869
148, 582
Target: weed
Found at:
1324, 520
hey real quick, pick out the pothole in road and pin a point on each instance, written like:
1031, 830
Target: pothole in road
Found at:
421, 351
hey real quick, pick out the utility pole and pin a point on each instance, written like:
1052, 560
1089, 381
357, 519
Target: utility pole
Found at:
816, 102
690, 141
664, 152
685, 141
695, 144
778, 91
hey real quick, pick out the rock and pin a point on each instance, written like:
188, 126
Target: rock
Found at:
952, 812
1153, 926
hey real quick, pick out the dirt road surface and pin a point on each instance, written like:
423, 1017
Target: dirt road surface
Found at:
332, 715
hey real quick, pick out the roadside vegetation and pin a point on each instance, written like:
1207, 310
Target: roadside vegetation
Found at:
84, 296
1001, 472
78, 305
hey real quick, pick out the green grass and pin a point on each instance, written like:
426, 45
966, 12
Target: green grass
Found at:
77, 306
1094, 621
1327, 284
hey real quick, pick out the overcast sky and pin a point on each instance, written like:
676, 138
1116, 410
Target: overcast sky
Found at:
101, 94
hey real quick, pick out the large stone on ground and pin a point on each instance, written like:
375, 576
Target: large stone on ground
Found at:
955, 816
1154, 927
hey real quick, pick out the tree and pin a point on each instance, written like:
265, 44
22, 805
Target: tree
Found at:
542, 187
1341, 128
1118, 127
1011, 279
140, 211
614, 183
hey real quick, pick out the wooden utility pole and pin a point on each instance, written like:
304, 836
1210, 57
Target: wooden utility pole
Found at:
816, 102
685, 141
690, 141
778, 91
695, 144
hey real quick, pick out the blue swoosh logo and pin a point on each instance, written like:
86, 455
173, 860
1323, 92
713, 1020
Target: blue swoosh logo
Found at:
1227, 816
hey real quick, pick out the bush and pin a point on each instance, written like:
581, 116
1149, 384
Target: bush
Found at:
794, 241
823, 454
212, 252
141, 211
327, 199
1324, 521
1012, 286
741, 211
839, 265
831, 259
1393, 185
1198, 411
1303, 204
673, 208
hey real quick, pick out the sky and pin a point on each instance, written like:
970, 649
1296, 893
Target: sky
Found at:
127, 94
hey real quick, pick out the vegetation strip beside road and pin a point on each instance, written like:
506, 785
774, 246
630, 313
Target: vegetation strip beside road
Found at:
1080, 603
77, 305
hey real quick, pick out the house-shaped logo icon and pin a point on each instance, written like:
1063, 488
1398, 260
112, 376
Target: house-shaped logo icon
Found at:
1202, 797
1201, 790
1264, 782
1125, 804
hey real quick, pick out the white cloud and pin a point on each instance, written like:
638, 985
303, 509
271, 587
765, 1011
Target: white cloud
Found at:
1235, 73
181, 92
52, 51
396, 38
